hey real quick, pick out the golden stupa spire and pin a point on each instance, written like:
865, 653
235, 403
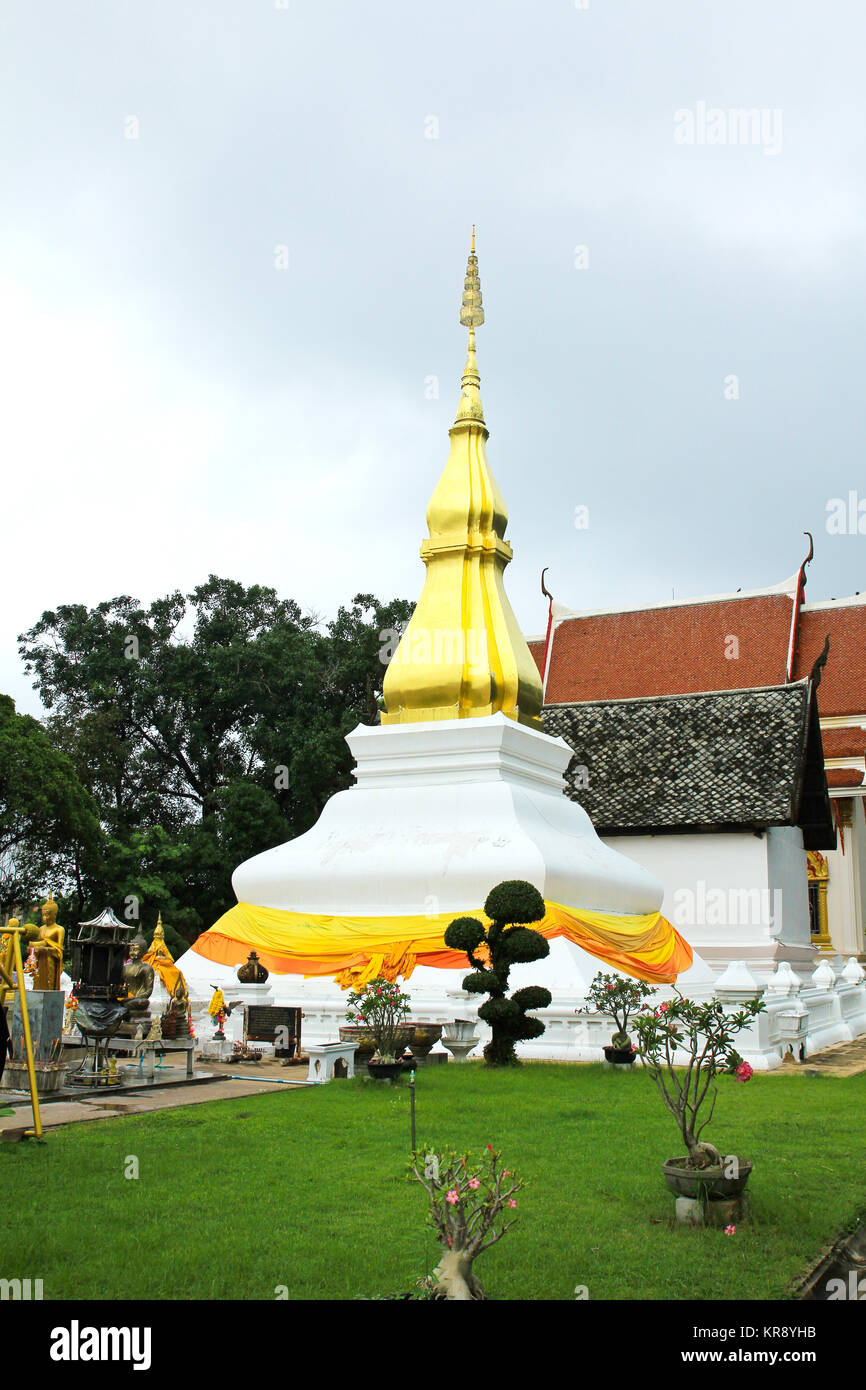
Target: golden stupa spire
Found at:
463, 654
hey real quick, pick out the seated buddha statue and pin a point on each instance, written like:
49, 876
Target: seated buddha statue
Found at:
47, 947
138, 980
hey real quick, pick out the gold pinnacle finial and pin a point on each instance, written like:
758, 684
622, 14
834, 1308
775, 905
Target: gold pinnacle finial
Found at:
471, 316
472, 312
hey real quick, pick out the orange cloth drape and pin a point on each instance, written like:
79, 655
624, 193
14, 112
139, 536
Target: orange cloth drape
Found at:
355, 949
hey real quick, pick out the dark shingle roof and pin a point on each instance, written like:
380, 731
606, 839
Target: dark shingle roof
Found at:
724, 760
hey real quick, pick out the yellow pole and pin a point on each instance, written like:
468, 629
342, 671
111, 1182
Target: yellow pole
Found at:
6, 985
15, 932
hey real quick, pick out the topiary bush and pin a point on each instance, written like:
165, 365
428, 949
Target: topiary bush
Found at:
492, 951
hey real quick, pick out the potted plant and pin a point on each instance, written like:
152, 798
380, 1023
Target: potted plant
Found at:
618, 996
704, 1032
381, 1006
468, 1201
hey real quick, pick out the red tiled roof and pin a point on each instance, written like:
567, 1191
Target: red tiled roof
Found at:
843, 743
671, 651
537, 650
843, 682
844, 777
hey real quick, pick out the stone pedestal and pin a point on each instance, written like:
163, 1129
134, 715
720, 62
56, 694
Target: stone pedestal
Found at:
721, 1211
459, 1037
325, 1057
214, 1050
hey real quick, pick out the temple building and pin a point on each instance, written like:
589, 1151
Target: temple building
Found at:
727, 681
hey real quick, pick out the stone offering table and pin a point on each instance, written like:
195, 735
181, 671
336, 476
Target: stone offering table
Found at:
143, 1051
324, 1058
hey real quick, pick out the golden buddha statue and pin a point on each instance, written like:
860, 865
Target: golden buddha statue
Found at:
158, 950
7, 959
47, 947
159, 956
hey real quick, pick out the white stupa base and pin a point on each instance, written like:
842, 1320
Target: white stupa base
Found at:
441, 813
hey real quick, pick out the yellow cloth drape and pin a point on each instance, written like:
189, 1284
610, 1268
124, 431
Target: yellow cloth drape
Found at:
166, 970
355, 949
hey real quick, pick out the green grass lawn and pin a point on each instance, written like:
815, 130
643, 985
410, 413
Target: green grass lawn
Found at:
308, 1189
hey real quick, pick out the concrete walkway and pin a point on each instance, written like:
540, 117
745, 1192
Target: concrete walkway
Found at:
844, 1059
106, 1105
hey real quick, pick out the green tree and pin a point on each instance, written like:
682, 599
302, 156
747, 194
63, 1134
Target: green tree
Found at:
207, 727
49, 824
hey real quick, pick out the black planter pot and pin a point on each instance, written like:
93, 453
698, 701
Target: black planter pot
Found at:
620, 1056
385, 1071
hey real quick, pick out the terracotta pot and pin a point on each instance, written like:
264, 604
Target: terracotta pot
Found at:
424, 1037
704, 1183
363, 1036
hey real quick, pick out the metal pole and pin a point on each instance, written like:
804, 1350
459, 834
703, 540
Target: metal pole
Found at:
28, 1042
412, 1106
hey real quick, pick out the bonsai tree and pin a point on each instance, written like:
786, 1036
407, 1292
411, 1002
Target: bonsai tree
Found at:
467, 1202
492, 951
619, 997
381, 1006
705, 1033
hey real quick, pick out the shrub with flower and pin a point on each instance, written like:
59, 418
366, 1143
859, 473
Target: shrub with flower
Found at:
704, 1032
618, 997
468, 1200
381, 1006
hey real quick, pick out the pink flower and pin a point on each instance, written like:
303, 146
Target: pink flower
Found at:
663, 1008
610, 986
490, 1147
730, 1230
453, 1196
744, 1071
473, 1183
511, 1202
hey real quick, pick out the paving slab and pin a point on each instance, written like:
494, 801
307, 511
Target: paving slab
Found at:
106, 1106
844, 1059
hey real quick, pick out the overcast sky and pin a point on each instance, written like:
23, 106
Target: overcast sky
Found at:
179, 401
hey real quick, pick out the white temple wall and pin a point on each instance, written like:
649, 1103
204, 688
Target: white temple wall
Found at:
788, 876
729, 895
858, 828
